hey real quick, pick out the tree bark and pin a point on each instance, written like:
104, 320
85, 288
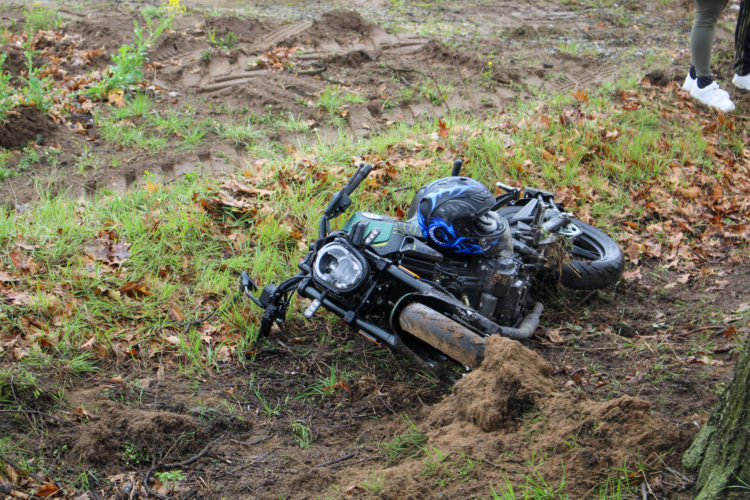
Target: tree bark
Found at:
721, 450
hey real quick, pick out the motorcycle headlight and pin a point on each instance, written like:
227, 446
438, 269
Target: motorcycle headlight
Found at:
339, 268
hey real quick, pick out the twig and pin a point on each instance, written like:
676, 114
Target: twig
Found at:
193, 458
30, 473
679, 475
704, 328
315, 70
149, 491
405, 70
15, 492
253, 443
34, 412
183, 463
337, 460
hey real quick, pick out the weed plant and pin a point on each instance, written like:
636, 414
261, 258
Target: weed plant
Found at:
127, 67
229, 42
41, 18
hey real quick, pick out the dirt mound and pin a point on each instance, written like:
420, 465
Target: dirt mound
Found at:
247, 30
127, 434
435, 52
102, 31
505, 387
342, 26
508, 407
353, 59
15, 62
23, 124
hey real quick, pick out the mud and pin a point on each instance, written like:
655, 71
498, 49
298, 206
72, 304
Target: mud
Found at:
26, 124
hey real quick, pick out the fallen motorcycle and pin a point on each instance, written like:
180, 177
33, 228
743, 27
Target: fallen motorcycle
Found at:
461, 267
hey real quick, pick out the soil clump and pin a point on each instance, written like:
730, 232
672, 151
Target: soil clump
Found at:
24, 124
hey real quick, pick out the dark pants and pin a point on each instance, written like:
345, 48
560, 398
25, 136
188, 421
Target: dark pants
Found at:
706, 14
742, 40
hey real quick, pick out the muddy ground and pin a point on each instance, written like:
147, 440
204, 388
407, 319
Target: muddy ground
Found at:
611, 391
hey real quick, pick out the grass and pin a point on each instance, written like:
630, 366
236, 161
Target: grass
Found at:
179, 253
410, 444
333, 99
302, 434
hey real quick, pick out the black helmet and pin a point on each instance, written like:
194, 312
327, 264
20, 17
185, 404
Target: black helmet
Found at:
455, 215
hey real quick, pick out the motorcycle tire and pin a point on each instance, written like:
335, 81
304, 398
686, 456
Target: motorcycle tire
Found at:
596, 261
447, 336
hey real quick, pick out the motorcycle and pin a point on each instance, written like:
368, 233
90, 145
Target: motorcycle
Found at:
461, 267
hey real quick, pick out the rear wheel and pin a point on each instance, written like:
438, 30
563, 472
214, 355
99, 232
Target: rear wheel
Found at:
595, 260
442, 333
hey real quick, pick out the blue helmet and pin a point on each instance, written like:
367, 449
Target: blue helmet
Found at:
455, 215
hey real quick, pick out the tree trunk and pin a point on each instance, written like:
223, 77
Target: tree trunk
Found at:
721, 450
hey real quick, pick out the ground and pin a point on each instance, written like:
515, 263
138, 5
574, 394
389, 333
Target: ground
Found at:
600, 403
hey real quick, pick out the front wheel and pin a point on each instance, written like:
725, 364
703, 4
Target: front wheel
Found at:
594, 259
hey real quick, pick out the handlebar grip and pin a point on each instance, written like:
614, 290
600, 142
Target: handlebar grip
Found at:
362, 172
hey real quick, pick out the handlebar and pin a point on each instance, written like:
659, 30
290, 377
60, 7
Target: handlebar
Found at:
356, 179
341, 201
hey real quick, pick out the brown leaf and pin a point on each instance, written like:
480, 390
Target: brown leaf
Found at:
443, 129
175, 314
351, 490
17, 297
135, 289
116, 97
554, 335
47, 489
581, 95
24, 263
632, 274
8, 278
80, 413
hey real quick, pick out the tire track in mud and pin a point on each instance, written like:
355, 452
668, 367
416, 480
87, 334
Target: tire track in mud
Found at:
571, 83
203, 163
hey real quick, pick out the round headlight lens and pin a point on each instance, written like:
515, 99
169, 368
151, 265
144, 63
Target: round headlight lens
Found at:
338, 267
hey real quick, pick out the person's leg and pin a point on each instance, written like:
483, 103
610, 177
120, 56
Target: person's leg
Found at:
742, 47
699, 82
702, 35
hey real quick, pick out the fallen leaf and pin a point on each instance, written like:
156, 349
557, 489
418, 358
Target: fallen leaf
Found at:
632, 274
443, 129
47, 489
80, 413
135, 289
581, 95
554, 335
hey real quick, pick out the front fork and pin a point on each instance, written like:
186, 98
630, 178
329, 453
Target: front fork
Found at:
274, 300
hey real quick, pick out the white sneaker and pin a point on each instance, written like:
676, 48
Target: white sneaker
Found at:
741, 82
690, 83
713, 96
